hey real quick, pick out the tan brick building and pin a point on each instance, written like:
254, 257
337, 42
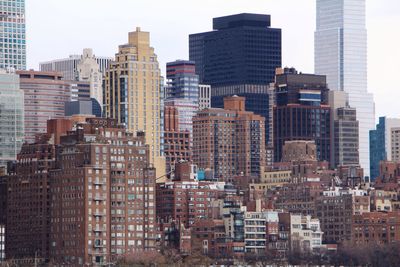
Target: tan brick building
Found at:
133, 94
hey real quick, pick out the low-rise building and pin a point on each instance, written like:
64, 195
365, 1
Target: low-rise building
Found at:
376, 228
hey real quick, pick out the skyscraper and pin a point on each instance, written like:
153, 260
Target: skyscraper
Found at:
341, 54
12, 32
242, 49
11, 117
344, 131
133, 93
302, 112
82, 68
239, 57
69, 66
89, 70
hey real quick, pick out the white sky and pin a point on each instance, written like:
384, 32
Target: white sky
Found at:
58, 28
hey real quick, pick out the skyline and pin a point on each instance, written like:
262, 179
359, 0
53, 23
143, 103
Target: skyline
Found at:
72, 29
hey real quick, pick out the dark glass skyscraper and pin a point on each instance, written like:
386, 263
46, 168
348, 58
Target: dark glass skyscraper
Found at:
239, 57
302, 112
242, 49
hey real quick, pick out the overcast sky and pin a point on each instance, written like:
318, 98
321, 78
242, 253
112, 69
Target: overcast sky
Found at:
58, 28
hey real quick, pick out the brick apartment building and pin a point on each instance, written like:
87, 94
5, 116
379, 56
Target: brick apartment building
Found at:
376, 228
177, 143
94, 193
186, 199
229, 141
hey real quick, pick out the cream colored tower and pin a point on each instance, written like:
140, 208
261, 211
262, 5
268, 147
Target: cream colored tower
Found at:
133, 86
89, 70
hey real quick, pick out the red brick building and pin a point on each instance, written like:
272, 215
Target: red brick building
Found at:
376, 228
89, 200
186, 199
177, 144
29, 202
229, 141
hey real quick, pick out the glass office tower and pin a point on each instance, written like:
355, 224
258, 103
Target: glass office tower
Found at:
11, 117
239, 57
341, 54
12, 34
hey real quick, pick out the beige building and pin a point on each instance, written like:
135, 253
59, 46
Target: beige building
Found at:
89, 70
395, 144
133, 92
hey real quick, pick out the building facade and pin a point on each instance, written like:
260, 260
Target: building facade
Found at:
102, 193
89, 70
335, 213
177, 143
204, 96
186, 111
395, 144
222, 56
11, 117
133, 93
117, 186
229, 141
344, 131
13, 35
28, 218
301, 112
341, 55
381, 143
376, 228
239, 58
69, 67
182, 81
346, 138
45, 95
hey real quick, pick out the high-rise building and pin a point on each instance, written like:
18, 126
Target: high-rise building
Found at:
381, 143
242, 49
344, 133
102, 194
182, 81
28, 205
186, 110
133, 93
13, 34
346, 137
301, 112
89, 70
395, 140
229, 141
80, 69
239, 58
177, 143
71, 66
45, 95
11, 117
341, 55
118, 186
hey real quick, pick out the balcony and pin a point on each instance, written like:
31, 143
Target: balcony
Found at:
98, 245
99, 229
98, 182
98, 198
98, 213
